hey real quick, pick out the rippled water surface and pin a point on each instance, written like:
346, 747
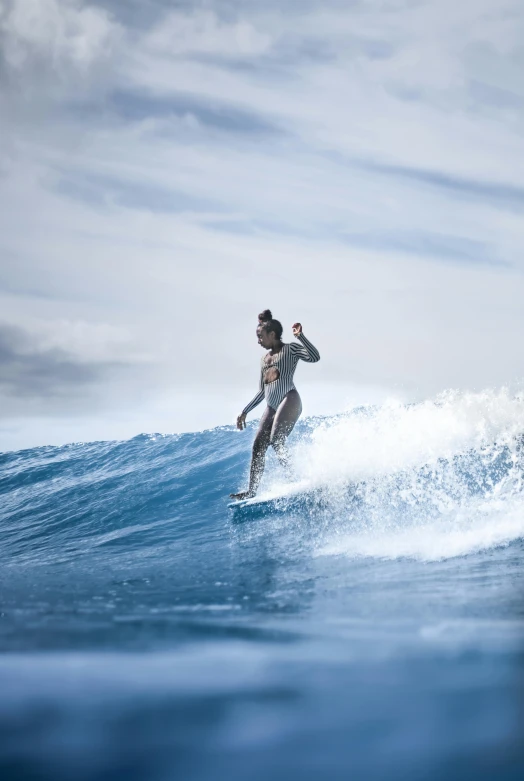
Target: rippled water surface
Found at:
375, 629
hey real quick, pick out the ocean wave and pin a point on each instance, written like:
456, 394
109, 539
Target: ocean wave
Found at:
430, 480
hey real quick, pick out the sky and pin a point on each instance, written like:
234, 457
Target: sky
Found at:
170, 169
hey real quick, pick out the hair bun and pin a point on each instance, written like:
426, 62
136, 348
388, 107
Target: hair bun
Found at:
265, 316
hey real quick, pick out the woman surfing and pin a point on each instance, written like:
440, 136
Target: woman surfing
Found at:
276, 386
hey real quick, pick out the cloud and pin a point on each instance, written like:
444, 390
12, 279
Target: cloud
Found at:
50, 50
425, 244
497, 193
106, 192
29, 370
55, 33
225, 116
202, 31
60, 370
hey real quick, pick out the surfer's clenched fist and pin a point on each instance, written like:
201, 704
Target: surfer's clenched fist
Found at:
297, 329
241, 422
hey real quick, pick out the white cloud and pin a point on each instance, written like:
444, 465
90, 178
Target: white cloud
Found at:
59, 32
203, 32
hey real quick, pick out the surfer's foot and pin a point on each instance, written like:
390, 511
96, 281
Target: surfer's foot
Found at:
242, 495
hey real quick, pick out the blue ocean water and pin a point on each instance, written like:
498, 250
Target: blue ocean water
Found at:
373, 631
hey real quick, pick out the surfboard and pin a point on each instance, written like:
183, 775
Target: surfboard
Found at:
254, 504
300, 500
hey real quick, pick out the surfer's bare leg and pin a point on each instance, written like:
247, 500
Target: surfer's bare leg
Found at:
258, 457
286, 416
260, 446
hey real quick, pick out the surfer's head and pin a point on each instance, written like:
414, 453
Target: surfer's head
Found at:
269, 331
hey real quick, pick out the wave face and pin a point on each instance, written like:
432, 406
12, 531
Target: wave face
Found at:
145, 634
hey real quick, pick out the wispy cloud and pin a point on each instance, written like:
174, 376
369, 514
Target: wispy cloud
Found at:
496, 193
29, 370
139, 106
440, 246
104, 192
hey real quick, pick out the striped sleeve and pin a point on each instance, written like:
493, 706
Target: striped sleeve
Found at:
255, 401
306, 351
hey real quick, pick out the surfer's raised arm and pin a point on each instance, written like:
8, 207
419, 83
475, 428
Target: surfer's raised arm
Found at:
276, 385
308, 352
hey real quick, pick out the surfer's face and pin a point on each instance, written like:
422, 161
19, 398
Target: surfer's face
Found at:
265, 340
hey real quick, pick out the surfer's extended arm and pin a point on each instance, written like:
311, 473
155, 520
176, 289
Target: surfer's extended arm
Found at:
255, 401
307, 351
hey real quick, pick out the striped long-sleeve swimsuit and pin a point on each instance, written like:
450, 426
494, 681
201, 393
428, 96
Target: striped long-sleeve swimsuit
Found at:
286, 363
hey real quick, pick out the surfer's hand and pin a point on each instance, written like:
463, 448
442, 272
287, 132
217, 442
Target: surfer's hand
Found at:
241, 422
297, 329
